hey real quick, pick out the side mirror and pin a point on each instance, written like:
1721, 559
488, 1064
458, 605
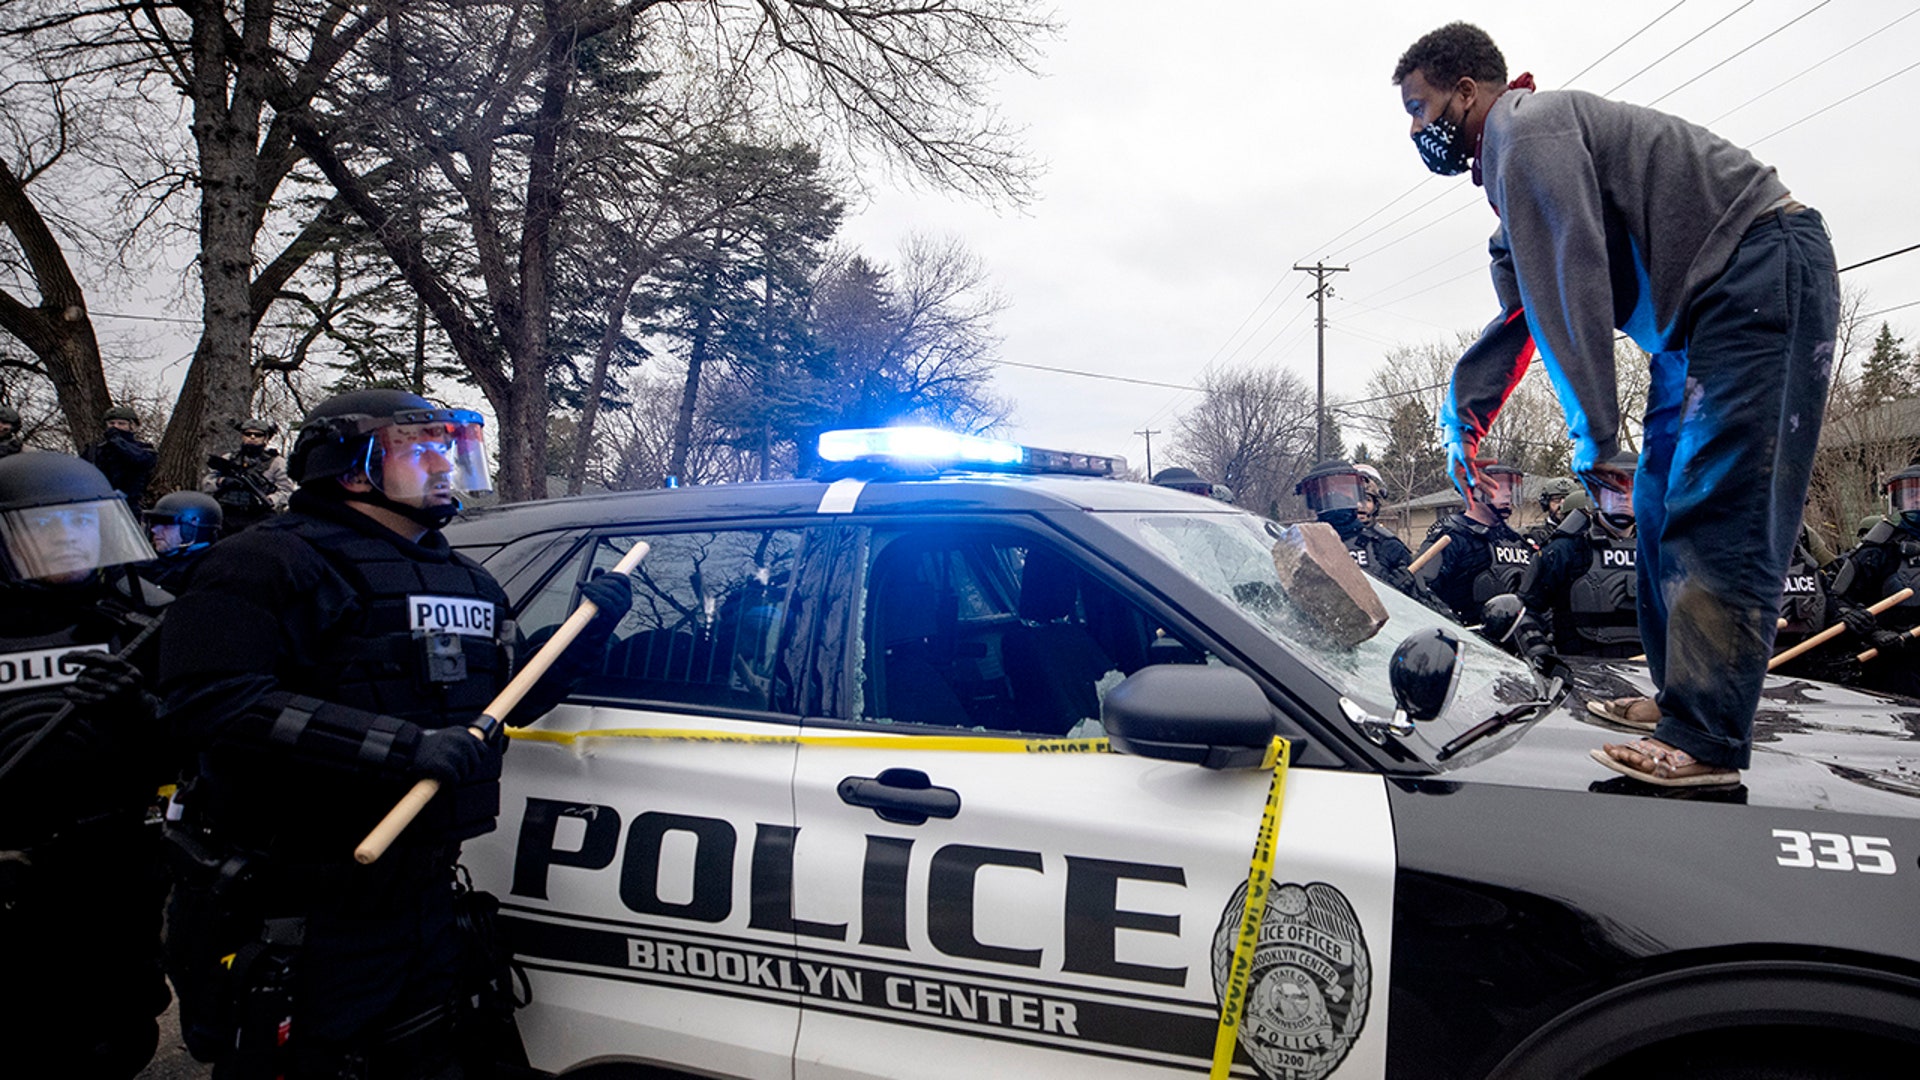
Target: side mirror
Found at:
1424, 671
1499, 616
1212, 716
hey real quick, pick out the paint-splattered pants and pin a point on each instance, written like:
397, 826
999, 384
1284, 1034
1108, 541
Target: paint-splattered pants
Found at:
1731, 425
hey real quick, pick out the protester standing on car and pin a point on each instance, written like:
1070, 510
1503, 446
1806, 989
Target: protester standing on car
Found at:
125, 457
251, 483
1617, 216
1886, 561
80, 880
1484, 557
322, 662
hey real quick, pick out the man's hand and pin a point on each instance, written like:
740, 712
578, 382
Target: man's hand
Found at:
1463, 465
612, 595
1602, 475
109, 681
449, 754
1889, 643
1860, 622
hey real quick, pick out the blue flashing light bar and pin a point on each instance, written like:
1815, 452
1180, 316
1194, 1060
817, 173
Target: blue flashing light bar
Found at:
934, 448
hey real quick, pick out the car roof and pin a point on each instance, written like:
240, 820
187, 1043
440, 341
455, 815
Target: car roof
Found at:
949, 493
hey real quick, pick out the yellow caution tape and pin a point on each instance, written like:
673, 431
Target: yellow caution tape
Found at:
1233, 999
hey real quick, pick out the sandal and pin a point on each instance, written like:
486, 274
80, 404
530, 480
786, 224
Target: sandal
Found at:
1663, 766
1634, 712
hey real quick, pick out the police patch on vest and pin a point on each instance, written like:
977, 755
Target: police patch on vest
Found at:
1510, 555
450, 615
1308, 994
1359, 555
1800, 585
1617, 557
42, 667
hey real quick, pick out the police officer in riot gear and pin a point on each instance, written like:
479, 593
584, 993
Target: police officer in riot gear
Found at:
182, 525
252, 483
125, 457
1886, 561
1584, 582
1553, 499
1184, 479
81, 756
10, 443
1335, 491
1373, 492
1486, 557
324, 661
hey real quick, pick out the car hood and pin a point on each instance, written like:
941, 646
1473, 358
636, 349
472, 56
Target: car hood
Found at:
1815, 746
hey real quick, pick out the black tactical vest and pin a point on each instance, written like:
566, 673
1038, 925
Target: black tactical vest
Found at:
1510, 555
1803, 597
431, 644
90, 768
1600, 602
1904, 552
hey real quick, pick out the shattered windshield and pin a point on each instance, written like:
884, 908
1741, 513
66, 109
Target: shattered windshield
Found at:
1231, 555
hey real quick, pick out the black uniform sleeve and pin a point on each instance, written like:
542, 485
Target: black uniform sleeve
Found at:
260, 603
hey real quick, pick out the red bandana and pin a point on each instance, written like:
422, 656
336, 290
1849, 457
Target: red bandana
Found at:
1524, 82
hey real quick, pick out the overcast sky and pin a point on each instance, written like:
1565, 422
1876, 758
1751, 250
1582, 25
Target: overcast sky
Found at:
1195, 152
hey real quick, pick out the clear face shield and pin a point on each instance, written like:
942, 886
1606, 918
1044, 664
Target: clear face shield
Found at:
66, 542
430, 460
1614, 507
1903, 495
1335, 491
1497, 493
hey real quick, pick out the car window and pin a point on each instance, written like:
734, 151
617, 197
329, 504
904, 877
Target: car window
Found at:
994, 630
710, 620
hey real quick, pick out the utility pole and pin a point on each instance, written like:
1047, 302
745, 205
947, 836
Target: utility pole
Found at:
1148, 435
1321, 290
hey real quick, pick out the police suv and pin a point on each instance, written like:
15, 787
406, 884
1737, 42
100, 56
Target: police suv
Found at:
953, 764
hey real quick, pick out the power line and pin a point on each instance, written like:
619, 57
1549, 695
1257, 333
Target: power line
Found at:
1877, 258
1670, 52
1835, 105
1829, 58
1736, 55
1896, 307
1630, 39
1093, 375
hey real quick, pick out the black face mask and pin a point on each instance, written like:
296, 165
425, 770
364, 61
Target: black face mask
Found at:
1443, 146
1345, 521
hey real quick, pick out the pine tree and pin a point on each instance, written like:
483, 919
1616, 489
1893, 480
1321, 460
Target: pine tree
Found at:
1887, 375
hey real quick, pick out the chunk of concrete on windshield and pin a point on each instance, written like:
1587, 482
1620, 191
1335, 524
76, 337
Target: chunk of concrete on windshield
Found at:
1326, 585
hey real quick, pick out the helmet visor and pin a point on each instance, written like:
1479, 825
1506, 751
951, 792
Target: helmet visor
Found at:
431, 462
1613, 503
68, 541
1337, 491
1903, 492
1499, 489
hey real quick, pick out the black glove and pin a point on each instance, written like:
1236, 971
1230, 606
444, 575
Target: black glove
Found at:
1860, 621
449, 754
1888, 642
612, 594
111, 682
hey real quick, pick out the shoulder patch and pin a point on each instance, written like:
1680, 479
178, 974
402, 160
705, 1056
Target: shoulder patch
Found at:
1312, 979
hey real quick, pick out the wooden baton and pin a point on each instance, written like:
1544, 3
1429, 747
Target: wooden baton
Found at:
416, 799
1427, 555
1834, 631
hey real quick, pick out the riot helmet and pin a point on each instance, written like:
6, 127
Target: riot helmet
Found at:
257, 425
1333, 490
1614, 509
1501, 487
1181, 479
1373, 490
1553, 497
1903, 495
420, 459
122, 413
60, 520
184, 521
1867, 525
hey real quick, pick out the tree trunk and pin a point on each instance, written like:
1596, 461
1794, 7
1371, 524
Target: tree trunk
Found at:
690, 397
58, 331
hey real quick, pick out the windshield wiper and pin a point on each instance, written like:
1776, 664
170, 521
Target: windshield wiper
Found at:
1554, 689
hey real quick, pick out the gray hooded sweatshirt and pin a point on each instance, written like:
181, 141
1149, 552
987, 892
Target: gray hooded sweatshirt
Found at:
1612, 216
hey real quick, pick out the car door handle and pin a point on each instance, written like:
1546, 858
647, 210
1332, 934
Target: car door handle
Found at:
902, 796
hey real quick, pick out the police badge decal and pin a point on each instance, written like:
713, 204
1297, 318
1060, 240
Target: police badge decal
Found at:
1307, 997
